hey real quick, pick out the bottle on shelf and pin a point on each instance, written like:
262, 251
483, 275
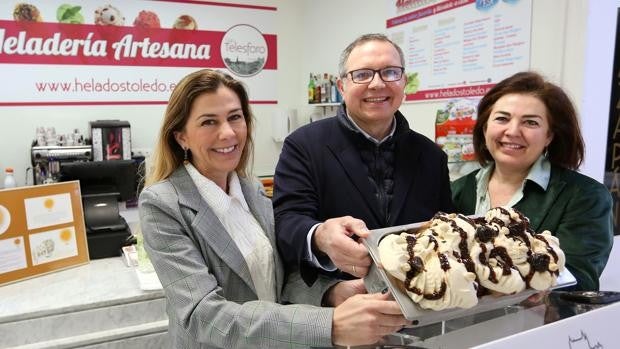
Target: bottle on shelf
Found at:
325, 89
333, 94
311, 89
9, 179
317, 89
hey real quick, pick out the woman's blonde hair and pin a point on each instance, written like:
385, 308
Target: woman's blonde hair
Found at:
168, 154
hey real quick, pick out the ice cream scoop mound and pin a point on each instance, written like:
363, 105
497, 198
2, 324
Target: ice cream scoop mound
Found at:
393, 255
494, 272
546, 261
451, 288
446, 261
433, 279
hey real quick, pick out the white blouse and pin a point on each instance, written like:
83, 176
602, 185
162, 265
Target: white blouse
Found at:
539, 173
233, 212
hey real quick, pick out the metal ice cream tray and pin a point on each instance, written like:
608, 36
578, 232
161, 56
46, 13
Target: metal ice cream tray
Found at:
377, 280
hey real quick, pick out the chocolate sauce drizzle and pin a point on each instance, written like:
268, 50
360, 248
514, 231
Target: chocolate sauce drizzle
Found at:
463, 256
503, 259
463, 247
442, 216
443, 261
438, 294
486, 233
479, 220
432, 240
538, 263
416, 265
484, 261
517, 229
550, 250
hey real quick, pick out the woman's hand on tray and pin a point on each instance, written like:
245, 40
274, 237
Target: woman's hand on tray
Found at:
364, 319
341, 291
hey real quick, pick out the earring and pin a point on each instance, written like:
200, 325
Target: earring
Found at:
546, 152
185, 159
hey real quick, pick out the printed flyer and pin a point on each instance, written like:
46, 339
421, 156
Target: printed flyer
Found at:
454, 127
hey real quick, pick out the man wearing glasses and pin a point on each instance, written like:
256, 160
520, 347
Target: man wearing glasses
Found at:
362, 169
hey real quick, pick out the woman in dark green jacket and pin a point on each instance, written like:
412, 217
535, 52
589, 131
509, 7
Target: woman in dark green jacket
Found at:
528, 142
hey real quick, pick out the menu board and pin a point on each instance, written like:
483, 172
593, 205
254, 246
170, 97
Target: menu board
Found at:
41, 230
459, 48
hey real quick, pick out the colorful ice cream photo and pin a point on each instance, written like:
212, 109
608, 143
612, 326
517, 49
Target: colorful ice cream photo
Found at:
147, 20
109, 15
186, 22
67, 13
27, 13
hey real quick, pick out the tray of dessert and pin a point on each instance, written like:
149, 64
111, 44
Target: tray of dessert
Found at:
456, 265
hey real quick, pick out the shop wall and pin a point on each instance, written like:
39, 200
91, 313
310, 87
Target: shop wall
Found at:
597, 80
19, 123
311, 35
572, 44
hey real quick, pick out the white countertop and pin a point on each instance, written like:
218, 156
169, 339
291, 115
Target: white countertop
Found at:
100, 283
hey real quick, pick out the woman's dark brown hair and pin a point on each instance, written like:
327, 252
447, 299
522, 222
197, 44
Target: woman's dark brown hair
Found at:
567, 147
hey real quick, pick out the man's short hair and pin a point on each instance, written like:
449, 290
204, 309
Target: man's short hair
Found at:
342, 69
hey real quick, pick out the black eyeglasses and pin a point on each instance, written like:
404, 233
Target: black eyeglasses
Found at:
387, 74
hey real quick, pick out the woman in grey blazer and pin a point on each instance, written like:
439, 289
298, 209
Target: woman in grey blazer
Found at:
209, 231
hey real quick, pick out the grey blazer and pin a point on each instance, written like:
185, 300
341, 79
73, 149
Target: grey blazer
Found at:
211, 299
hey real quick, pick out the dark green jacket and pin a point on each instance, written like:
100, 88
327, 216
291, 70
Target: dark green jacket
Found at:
575, 208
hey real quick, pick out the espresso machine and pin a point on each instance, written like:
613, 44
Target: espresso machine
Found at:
46, 160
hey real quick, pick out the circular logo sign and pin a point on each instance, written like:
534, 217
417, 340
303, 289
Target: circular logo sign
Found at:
244, 50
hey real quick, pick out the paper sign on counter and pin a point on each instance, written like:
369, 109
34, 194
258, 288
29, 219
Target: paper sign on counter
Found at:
53, 245
12, 254
48, 210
